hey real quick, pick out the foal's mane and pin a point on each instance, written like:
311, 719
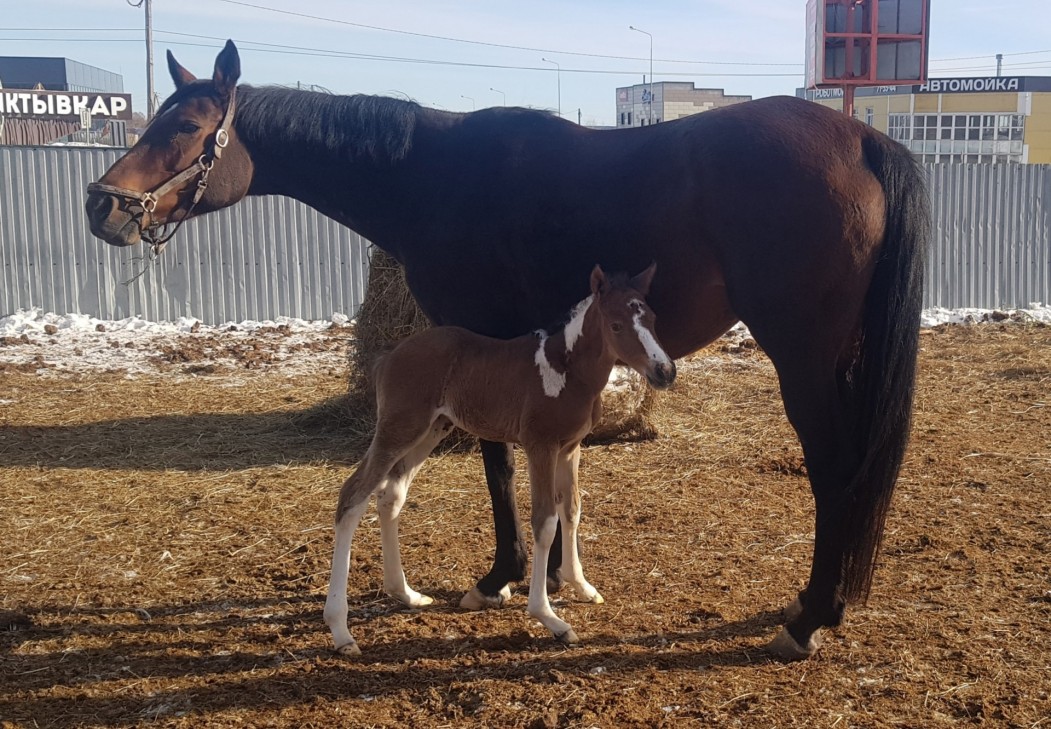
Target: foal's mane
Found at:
379, 127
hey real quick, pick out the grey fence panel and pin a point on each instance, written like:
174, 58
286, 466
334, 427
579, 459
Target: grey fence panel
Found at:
271, 256
992, 236
263, 258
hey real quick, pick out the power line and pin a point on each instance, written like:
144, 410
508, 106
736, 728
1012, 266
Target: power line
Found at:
324, 53
486, 43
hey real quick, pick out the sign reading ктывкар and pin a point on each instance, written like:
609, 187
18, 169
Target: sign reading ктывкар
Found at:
51, 104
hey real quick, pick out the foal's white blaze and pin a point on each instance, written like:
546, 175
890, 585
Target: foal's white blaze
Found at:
646, 336
553, 381
575, 326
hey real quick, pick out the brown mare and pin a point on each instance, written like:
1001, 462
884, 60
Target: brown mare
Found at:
806, 225
541, 392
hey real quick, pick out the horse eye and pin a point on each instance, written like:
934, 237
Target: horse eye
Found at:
189, 128
617, 327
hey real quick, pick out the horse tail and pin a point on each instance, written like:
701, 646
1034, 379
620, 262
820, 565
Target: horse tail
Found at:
884, 374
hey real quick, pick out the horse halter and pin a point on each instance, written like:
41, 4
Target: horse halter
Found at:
199, 169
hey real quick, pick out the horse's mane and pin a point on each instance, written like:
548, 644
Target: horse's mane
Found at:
378, 127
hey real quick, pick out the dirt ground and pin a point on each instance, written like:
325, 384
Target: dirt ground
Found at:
166, 538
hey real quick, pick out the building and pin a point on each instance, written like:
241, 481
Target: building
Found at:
671, 100
44, 99
980, 120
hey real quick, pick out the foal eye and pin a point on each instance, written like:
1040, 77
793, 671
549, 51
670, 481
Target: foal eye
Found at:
617, 327
189, 128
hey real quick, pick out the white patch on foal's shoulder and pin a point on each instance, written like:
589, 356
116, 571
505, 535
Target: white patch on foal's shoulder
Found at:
575, 326
553, 381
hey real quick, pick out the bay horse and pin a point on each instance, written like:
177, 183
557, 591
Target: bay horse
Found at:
542, 392
808, 226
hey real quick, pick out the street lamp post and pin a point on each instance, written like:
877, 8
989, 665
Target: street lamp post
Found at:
469, 99
639, 30
559, 78
501, 94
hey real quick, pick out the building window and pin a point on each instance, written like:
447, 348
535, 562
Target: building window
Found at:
629, 118
869, 115
975, 138
622, 118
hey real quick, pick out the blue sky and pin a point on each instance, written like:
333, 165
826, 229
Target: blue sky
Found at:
744, 47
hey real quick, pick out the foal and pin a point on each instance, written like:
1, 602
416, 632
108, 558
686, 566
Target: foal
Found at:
538, 391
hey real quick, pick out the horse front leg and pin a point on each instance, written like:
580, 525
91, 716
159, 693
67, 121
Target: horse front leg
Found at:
542, 464
510, 561
568, 499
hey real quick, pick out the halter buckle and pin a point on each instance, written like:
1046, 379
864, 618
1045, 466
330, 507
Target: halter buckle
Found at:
149, 202
222, 138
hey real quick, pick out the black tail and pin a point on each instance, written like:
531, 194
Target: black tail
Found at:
885, 374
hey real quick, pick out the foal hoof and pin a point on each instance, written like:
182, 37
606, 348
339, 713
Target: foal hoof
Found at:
349, 649
568, 638
785, 647
476, 600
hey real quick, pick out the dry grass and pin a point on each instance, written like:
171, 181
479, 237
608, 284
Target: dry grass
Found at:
166, 547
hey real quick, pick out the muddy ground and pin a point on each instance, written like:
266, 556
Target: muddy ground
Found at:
166, 540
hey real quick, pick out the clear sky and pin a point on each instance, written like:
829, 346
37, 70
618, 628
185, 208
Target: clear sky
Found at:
452, 53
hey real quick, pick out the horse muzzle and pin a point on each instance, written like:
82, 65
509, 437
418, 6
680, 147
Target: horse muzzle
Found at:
662, 375
110, 222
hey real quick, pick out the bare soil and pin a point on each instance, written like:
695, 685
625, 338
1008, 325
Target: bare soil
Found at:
166, 541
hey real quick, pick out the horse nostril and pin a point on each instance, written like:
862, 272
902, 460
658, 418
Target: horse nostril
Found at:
99, 207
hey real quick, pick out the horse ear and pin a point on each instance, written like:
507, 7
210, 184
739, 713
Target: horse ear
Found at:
227, 69
180, 75
641, 283
599, 283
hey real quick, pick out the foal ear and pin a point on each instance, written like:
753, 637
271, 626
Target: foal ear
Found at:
599, 283
227, 69
641, 283
180, 75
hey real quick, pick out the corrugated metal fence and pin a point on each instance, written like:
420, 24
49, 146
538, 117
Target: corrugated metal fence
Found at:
271, 256
263, 258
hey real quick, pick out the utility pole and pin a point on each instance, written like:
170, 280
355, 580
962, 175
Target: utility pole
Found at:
151, 96
999, 64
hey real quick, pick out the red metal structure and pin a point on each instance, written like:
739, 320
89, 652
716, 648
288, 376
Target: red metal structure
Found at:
853, 43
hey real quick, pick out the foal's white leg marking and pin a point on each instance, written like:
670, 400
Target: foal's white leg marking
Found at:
389, 503
569, 515
649, 342
539, 606
553, 381
336, 603
575, 326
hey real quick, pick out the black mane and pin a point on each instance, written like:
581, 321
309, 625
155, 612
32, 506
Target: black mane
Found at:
378, 127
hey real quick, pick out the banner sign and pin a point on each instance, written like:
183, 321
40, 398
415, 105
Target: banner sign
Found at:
63, 104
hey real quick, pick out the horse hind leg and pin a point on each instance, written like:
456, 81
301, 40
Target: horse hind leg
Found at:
388, 447
353, 500
815, 408
389, 503
568, 499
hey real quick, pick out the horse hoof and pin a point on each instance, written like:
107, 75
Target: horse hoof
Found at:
476, 600
791, 612
568, 638
349, 649
554, 584
785, 647
595, 599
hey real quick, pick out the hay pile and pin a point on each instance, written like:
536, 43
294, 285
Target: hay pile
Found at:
389, 314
